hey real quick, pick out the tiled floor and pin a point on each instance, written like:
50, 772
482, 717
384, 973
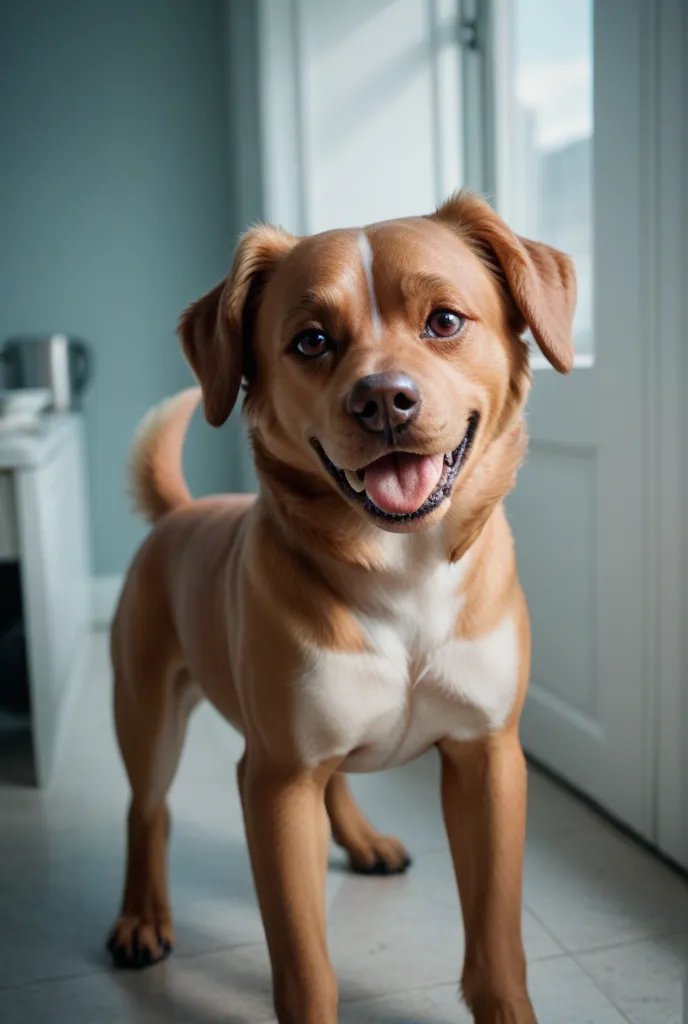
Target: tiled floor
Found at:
606, 926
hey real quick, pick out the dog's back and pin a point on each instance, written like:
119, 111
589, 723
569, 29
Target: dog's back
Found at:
175, 607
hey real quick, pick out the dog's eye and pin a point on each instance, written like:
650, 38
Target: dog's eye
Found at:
442, 323
312, 343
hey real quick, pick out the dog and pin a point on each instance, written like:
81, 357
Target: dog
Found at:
365, 607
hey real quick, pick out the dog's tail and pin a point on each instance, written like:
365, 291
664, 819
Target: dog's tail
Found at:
156, 477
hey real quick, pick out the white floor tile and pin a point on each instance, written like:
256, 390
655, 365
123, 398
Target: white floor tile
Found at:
594, 888
647, 980
552, 810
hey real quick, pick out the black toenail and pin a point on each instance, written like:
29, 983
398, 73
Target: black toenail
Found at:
120, 956
377, 868
380, 868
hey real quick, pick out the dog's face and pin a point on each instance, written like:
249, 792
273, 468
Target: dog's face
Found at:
385, 360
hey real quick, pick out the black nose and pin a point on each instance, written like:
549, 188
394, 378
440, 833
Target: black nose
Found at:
384, 400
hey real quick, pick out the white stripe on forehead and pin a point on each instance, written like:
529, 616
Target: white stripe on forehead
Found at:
367, 258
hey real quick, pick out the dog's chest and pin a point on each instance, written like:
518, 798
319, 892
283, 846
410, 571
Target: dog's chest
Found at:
418, 682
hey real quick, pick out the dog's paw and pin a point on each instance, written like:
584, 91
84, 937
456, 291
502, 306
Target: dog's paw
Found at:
379, 855
135, 943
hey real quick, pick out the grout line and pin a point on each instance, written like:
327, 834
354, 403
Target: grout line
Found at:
623, 944
607, 946
547, 958
557, 942
637, 941
107, 968
573, 957
369, 997
52, 979
604, 994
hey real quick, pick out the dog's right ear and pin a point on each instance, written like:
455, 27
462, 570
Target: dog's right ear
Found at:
215, 330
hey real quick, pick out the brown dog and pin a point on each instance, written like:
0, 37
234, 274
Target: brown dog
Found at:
365, 606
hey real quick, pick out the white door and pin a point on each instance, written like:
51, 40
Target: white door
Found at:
571, 160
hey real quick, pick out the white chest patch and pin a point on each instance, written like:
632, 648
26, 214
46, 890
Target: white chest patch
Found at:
416, 685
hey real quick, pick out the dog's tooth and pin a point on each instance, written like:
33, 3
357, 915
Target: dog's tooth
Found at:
355, 482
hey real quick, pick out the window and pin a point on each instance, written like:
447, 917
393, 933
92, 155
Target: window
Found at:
547, 172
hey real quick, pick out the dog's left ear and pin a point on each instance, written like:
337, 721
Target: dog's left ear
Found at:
541, 280
215, 330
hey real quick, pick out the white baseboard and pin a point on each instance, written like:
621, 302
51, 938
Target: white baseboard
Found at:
106, 591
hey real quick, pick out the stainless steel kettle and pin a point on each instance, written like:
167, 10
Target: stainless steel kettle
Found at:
63, 364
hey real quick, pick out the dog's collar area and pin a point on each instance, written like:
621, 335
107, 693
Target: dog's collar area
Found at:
453, 462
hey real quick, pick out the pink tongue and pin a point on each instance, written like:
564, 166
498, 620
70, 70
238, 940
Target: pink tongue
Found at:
400, 483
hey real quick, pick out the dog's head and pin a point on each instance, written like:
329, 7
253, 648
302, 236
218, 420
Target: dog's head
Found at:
381, 364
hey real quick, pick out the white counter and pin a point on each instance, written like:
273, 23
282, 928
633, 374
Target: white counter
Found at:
44, 525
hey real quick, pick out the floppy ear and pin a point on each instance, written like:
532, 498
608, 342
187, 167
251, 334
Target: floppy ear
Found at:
215, 330
541, 280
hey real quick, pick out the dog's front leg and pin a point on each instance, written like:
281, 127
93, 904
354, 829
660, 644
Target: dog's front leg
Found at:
288, 836
484, 804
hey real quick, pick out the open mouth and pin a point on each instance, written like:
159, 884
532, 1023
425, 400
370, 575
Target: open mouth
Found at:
402, 486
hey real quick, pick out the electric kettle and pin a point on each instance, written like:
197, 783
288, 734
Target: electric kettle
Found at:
63, 364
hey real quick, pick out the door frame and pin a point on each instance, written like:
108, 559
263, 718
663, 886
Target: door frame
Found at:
668, 39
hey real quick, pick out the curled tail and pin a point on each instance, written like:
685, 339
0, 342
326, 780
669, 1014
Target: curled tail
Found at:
156, 478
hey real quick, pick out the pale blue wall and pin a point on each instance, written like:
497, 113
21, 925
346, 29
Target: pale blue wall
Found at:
116, 209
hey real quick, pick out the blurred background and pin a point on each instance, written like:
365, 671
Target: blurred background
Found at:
138, 139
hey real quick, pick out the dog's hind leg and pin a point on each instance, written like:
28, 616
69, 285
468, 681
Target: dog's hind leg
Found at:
153, 701
369, 852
